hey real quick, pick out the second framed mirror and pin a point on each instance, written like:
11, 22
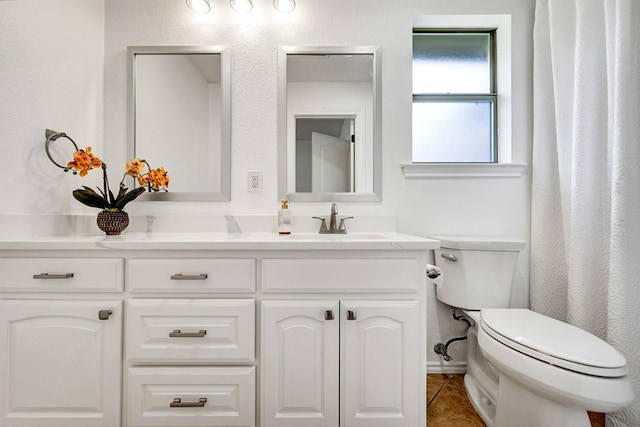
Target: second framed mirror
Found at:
329, 130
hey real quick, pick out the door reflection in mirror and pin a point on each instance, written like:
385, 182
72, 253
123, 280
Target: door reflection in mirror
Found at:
325, 154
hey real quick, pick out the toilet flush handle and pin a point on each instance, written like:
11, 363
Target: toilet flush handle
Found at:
450, 257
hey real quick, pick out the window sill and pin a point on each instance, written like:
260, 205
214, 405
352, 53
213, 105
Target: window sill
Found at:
463, 170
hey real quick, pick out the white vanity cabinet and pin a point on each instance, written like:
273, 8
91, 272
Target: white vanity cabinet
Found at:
61, 358
208, 330
344, 348
353, 361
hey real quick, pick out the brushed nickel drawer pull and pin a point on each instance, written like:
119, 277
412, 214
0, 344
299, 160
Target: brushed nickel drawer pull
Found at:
53, 276
177, 403
176, 333
202, 276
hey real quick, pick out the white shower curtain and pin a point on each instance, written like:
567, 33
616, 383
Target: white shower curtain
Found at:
585, 237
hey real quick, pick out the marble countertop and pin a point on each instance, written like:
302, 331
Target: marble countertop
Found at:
224, 241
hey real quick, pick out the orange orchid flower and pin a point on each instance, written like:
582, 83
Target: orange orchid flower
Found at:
134, 167
83, 161
157, 178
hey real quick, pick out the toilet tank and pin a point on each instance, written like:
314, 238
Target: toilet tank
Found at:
477, 272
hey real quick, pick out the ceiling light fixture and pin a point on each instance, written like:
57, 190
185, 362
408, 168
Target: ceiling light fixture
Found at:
199, 6
242, 6
284, 6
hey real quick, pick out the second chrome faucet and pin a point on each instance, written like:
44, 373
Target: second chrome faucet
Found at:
333, 229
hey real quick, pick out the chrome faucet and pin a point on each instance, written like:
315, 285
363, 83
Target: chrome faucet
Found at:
333, 229
332, 220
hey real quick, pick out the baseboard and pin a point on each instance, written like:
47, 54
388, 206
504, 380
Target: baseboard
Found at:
446, 368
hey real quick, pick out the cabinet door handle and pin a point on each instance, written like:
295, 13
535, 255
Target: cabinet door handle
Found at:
176, 333
352, 315
450, 257
104, 314
202, 276
178, 403
328, 315
53, 276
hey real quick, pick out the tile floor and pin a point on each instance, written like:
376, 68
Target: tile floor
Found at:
449, 406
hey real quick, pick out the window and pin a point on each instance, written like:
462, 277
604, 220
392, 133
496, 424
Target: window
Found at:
454, 96
500, 165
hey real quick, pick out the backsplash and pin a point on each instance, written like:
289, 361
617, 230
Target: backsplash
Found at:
29, 226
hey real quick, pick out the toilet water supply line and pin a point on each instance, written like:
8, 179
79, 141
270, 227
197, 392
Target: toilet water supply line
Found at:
433, 273
442, 348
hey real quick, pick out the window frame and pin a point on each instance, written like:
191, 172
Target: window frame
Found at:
491, 96
505, 167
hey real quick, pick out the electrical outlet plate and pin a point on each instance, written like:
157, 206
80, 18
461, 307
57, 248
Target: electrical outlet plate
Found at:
255, 182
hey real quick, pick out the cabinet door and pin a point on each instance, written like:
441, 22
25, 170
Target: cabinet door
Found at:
380, 359
60, 363
300, 363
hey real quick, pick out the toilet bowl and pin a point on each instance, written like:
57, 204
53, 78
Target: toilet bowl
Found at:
524, 367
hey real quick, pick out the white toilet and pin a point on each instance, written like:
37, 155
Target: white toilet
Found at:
524, 368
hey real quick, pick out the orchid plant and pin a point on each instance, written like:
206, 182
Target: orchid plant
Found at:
84, 161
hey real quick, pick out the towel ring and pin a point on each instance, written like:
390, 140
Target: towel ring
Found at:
51, 136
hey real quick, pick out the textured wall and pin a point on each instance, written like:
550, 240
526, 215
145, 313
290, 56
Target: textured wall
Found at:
51, 68
67, 93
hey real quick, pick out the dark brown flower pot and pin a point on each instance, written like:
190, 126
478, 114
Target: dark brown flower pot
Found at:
112, 223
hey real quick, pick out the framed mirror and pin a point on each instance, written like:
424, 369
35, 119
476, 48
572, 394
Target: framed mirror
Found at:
179, 117
329, 126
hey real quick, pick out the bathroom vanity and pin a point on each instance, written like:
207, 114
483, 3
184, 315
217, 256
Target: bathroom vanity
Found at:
213, 329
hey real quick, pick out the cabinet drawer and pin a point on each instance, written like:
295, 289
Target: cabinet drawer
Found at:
191, 275
190, 331
342, 275
61, 274
201, 396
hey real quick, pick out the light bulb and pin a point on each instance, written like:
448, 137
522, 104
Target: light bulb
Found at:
242, 6
199, 6
284, 6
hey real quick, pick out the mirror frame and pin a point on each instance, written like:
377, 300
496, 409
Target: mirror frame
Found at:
376, 194
224, 195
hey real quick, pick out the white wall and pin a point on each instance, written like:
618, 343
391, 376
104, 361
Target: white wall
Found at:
52, 78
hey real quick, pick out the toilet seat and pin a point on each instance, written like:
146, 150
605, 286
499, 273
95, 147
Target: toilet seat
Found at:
553, 342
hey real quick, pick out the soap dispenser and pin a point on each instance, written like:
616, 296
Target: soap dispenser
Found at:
284, 218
